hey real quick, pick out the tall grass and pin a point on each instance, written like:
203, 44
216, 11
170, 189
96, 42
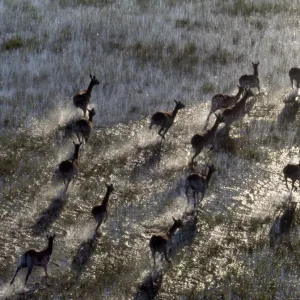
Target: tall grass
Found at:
144, 54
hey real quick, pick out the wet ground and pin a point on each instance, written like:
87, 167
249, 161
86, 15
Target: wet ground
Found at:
220, 252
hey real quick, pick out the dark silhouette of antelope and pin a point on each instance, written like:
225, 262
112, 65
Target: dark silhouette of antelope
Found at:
100, 212
293, 172
69, 168
238, 111
221, 101
162, 243
280, 230
198, 183
250, 81
207, 138
82, 99
294, 74
165, 119
33, 258
83, 127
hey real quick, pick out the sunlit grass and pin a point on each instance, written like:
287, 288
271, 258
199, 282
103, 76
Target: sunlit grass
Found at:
145, 53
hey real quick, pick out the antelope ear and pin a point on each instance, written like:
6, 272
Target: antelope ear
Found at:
174, 219
53, 236
91, 76
47, 236
175, 101
258, 63
74, 143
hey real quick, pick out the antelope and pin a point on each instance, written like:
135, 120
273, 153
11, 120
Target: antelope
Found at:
84, 127
221, 101
69, 168
162, 243
292, 172
250, 81
238, 111
280, 229
82, 99
294, 74
198, 183
33, 258
198, 141
165, 119
100, 212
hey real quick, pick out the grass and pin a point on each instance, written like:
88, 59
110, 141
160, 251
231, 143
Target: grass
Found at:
146, 54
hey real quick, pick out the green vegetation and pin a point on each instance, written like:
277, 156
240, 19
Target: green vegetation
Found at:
249, 8
208, 88
18, 42
75, 3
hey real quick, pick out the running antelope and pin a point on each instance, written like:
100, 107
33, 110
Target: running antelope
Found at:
292, 172
280, 230
198, 183
207, 138
33, 258
250, 81
82, 99
294, 74
221, 101
69, 168
100, 212
83, 127
165, 119
162, 243
238, 111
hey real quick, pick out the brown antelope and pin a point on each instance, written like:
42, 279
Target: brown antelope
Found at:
165, 119
33, 258
294, 74
292, 172
198, 183
221, 101
100, 212
162, 243
82, 99
69, 168
207, 138
250, 81
83, 127
238, 111
280, 230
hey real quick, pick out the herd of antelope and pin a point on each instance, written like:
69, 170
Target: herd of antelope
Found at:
230, 109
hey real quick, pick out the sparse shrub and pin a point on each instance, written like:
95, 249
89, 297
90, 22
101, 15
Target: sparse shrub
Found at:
18, 42
208, 88
182, 23
134, 109
223, 56
14, 43
258, 24
74, 3
166, 56
245, 8
187, 59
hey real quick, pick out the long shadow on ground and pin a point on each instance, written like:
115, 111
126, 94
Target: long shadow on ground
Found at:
149, 287
50, 214
150, 157
83, 254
